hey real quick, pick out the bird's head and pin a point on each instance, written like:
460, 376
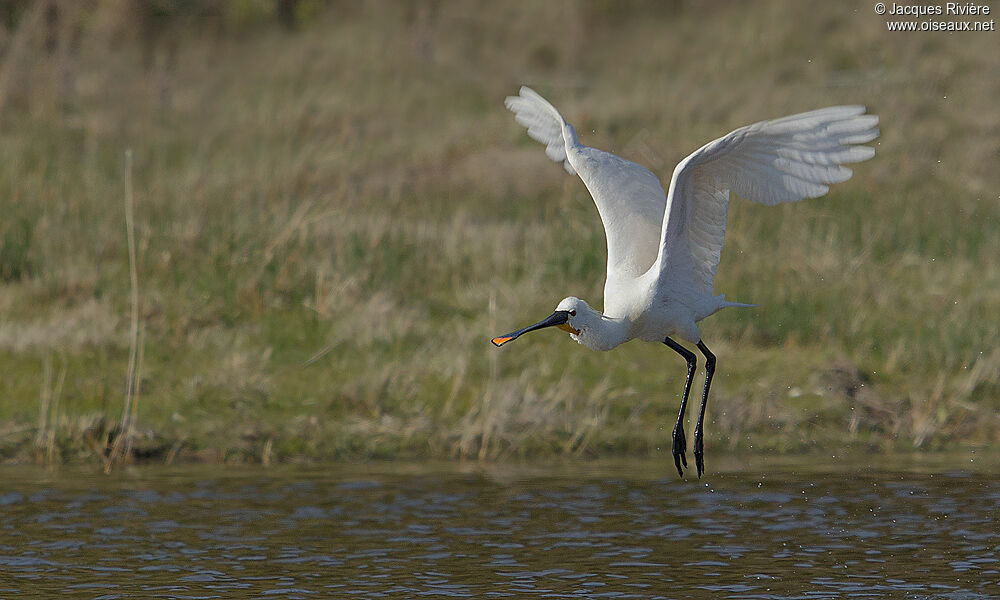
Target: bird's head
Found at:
572, 315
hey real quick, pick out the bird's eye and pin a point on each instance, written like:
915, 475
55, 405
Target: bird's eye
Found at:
572, 313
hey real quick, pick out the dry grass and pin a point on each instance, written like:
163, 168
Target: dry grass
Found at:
331, 223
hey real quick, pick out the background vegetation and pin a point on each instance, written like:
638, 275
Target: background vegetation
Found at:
334, 213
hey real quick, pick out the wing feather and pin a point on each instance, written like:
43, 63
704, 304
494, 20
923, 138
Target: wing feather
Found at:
784, 160
543, 121
628, 196
682, 233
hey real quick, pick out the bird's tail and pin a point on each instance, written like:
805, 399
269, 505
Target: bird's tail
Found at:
724, 304
544, 124
738, 305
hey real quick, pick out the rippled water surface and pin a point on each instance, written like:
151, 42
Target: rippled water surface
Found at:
575, 531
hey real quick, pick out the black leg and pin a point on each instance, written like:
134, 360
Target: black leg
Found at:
680, 442
699, 442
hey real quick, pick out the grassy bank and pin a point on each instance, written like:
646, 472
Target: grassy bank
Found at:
332, 221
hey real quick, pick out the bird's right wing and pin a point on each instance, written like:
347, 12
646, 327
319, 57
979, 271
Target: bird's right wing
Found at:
628, 196
784, 160
543, 121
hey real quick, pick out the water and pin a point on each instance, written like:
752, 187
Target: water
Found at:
762, 529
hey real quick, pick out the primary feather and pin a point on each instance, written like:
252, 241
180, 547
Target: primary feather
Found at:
543, 121
784, 160
682, 233
628, 196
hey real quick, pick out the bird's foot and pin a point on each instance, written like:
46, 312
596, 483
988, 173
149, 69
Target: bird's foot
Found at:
680, 449
699, 451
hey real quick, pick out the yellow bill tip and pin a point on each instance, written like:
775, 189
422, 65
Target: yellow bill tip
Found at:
500, 341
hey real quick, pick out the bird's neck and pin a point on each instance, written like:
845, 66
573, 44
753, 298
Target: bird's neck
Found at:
606, 332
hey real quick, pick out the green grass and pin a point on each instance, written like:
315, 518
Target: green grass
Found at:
333, 222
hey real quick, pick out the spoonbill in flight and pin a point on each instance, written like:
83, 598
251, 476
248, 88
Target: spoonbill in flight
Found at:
663, 248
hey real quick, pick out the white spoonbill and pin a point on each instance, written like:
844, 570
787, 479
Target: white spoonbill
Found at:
663, 248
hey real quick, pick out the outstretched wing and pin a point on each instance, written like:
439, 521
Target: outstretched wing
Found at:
784, 160
543, 121
629, 197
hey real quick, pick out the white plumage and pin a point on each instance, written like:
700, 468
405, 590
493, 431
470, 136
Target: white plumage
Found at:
663, 248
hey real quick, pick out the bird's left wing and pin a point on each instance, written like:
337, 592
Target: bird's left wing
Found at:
784, 160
